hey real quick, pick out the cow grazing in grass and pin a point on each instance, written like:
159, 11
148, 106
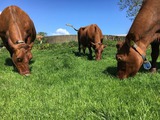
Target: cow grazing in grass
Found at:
131, 53
90, 37
18, 34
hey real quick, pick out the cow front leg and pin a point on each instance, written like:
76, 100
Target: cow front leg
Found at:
79, 47
30, 44
84, 50
90, 53
154, 55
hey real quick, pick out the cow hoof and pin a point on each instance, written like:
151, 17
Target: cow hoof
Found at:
153, 70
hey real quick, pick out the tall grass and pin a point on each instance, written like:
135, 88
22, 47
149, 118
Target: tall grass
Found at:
65, 86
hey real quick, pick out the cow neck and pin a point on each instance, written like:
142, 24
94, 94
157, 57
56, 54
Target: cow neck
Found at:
139, 48
12, 12
142, 53
142, 41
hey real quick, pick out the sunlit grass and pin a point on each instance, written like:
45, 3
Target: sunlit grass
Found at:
64, 85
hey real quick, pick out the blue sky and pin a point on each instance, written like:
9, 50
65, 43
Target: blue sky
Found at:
50, 16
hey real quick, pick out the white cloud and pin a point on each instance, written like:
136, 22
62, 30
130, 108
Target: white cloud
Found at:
120, 35
0, 12
61, 31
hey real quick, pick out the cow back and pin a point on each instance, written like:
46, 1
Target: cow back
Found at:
15, 23
91, 33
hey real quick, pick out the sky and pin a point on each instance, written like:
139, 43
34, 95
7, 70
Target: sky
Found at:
51, 16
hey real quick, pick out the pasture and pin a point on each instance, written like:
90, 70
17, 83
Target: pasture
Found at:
66, 86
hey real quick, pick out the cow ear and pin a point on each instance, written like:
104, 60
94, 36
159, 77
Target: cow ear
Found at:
118, 46
12, 45
31, 45
104, 46
119, 58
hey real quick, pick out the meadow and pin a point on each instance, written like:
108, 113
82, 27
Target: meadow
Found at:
66, 86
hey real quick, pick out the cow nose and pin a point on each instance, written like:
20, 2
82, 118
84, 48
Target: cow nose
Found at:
25, 73
98, 59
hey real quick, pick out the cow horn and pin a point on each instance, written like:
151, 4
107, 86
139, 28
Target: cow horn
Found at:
93, 43
96, 43
99, 43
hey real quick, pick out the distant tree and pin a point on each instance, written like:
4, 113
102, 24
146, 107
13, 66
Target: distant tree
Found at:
40, 36
132, 7
42, 33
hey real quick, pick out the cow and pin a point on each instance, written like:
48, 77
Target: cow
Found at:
131, 53
90, 37
18, 34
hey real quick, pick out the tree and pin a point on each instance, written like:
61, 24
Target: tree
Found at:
132, 7
40, 36
42, 33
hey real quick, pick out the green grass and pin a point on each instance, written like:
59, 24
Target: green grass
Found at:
64, 86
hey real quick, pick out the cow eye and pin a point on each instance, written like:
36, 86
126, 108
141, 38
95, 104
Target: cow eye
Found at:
19, 59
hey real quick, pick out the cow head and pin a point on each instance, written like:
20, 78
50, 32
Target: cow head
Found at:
21, 56
98, 50
128, 59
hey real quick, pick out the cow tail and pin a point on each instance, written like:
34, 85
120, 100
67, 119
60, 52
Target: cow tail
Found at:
71, 26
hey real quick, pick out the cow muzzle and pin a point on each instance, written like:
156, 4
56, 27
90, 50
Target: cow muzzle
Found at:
25, 73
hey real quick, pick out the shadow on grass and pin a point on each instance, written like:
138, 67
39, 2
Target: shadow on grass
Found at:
142, 70
8, 62
77, 54
111, 71
81, 54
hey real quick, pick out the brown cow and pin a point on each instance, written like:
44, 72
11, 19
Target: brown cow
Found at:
18, 34
131, 54
91, 37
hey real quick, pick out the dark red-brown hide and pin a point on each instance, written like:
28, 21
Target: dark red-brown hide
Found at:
143, 31
18, 34
91, 37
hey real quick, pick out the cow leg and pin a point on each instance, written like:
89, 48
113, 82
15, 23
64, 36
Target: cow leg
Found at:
90, 53
30, 43
79, 47
7, 46
154, 55
84, 50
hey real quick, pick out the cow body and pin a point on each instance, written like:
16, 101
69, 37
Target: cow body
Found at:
91, 37
145, 29
18, 34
